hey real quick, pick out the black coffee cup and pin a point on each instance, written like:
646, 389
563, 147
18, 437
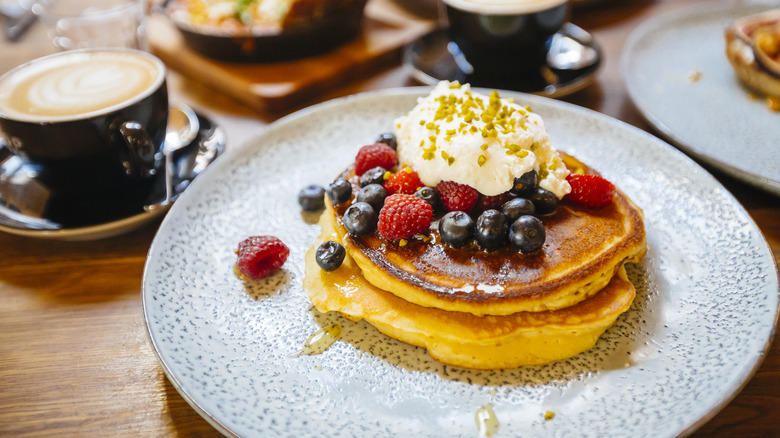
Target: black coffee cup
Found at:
88, 126
504, 40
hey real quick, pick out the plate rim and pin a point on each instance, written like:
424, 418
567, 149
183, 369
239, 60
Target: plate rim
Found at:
246, 148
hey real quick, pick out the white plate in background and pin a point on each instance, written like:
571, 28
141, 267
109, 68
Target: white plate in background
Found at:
678, 76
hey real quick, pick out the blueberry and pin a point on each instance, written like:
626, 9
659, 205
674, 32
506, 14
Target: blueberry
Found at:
387, 138
525, 184
312, 197
360, 218
330, 255
456, 228
491, 229
545, 202
375, 175
516, 207
527, 233
339, 191
430, 196
373, 194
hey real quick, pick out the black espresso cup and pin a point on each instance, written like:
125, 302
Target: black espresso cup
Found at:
504, 41
88, 126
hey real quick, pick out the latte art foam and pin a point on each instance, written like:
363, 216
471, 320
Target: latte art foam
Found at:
78, 85
84, 88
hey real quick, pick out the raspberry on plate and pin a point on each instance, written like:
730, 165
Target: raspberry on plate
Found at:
457, 197
590, 190
403, 216
375, 155
405, 181
260, 256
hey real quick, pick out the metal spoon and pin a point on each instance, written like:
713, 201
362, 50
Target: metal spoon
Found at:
572, 49
183, 127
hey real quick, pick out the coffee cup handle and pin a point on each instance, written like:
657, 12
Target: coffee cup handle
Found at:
139, 155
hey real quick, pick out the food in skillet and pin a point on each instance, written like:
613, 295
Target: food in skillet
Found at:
255, 16
266, 30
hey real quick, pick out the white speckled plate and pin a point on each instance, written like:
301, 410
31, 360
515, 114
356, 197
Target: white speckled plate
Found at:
714, 118
705, 310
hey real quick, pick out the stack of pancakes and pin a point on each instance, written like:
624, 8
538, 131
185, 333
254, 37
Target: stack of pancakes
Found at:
488, 309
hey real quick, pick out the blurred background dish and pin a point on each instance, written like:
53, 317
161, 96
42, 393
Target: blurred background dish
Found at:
573, 58
677, 74
265, 30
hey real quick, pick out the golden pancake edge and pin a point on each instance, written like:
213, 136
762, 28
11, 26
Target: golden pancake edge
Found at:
464, 339
488, 309
584, 248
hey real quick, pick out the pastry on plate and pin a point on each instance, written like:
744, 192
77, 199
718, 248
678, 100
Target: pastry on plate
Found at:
753, 49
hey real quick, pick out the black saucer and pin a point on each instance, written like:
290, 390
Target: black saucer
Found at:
434, 57
29, 208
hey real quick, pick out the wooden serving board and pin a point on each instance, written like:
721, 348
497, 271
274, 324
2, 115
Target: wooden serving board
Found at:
277, 87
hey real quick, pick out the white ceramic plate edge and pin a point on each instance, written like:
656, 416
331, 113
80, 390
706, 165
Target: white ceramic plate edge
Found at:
739, 382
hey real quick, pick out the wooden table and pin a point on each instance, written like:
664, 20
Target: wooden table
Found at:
74, 354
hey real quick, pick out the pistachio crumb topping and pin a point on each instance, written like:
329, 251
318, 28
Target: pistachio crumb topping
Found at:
498, 118
462, 127
449, 159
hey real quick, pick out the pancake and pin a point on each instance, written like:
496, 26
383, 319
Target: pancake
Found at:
464, 339
584, 249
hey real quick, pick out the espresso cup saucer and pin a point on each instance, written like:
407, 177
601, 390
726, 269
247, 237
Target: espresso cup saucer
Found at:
22, 196
433, 57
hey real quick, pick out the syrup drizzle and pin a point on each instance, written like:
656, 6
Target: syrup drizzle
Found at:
487, 422
320, 341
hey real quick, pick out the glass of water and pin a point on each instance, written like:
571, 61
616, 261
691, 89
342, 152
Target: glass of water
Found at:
78, 24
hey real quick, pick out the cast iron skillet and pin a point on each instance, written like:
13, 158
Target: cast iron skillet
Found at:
312, 37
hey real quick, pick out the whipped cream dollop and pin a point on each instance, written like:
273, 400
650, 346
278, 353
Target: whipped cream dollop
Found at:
455, 134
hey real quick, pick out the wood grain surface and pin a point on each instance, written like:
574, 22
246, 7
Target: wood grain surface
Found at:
280, 86
75, 359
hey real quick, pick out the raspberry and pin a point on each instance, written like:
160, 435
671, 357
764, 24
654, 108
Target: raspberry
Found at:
492, 202
457, 197
375, 155
404, 216
405, 181
260, 256
590, 190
